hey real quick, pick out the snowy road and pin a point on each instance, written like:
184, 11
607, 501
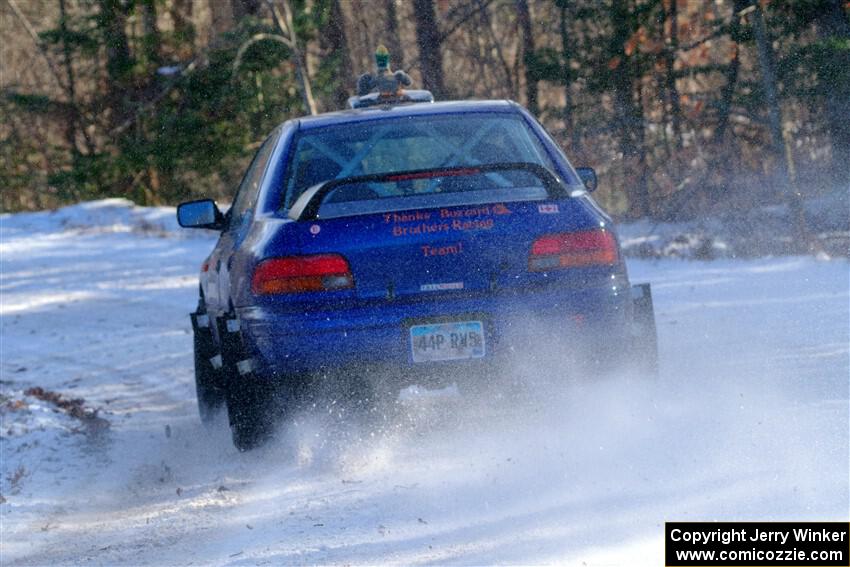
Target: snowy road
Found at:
749, 421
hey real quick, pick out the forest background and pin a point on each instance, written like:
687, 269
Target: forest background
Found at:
684, 107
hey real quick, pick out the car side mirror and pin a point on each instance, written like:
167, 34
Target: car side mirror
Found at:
588, 177
203, 213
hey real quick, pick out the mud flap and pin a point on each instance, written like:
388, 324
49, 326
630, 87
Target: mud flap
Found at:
230, 343
207, 368
251, 399
644, 334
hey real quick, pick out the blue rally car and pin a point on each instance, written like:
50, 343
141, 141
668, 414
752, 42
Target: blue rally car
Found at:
406, 242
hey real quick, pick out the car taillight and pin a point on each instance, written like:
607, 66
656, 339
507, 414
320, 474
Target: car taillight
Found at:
299, 274
573, 249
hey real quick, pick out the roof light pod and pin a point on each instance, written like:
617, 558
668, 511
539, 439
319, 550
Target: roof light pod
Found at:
402, 97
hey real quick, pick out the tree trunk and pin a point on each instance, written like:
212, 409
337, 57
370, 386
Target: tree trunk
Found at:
781, 151
731, 74
393, 41
72, 118
566, 57
495, 47
641, 194
670, 77
524, 20
151, 40
834, 84
334, 43
181, 15
221, 13
428, 40
112, 19
244, 8
302, 75
628, 120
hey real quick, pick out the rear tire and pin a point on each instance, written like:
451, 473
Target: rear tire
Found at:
256, 399
207, 379
251, 405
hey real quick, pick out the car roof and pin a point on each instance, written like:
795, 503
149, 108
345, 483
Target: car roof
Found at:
405, 109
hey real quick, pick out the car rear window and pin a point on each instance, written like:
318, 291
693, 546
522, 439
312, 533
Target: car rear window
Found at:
410, 144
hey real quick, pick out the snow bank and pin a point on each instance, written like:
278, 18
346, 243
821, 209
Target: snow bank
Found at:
765, 231
105, 215
753, 233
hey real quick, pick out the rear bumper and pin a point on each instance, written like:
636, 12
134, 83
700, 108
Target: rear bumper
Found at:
591, 324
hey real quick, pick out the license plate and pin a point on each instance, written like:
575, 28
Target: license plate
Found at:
447, 341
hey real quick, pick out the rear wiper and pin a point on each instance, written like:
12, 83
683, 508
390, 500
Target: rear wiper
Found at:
307, 206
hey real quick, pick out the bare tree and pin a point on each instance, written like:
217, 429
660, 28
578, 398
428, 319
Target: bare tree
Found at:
566, 58
285, 23
334, 42
244, 8
181, 14
628, 110
112, 18
833, 26
392, 39
221, 12
731, 74
429, 42
672, 47
524, 19
151, 40
781, 148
